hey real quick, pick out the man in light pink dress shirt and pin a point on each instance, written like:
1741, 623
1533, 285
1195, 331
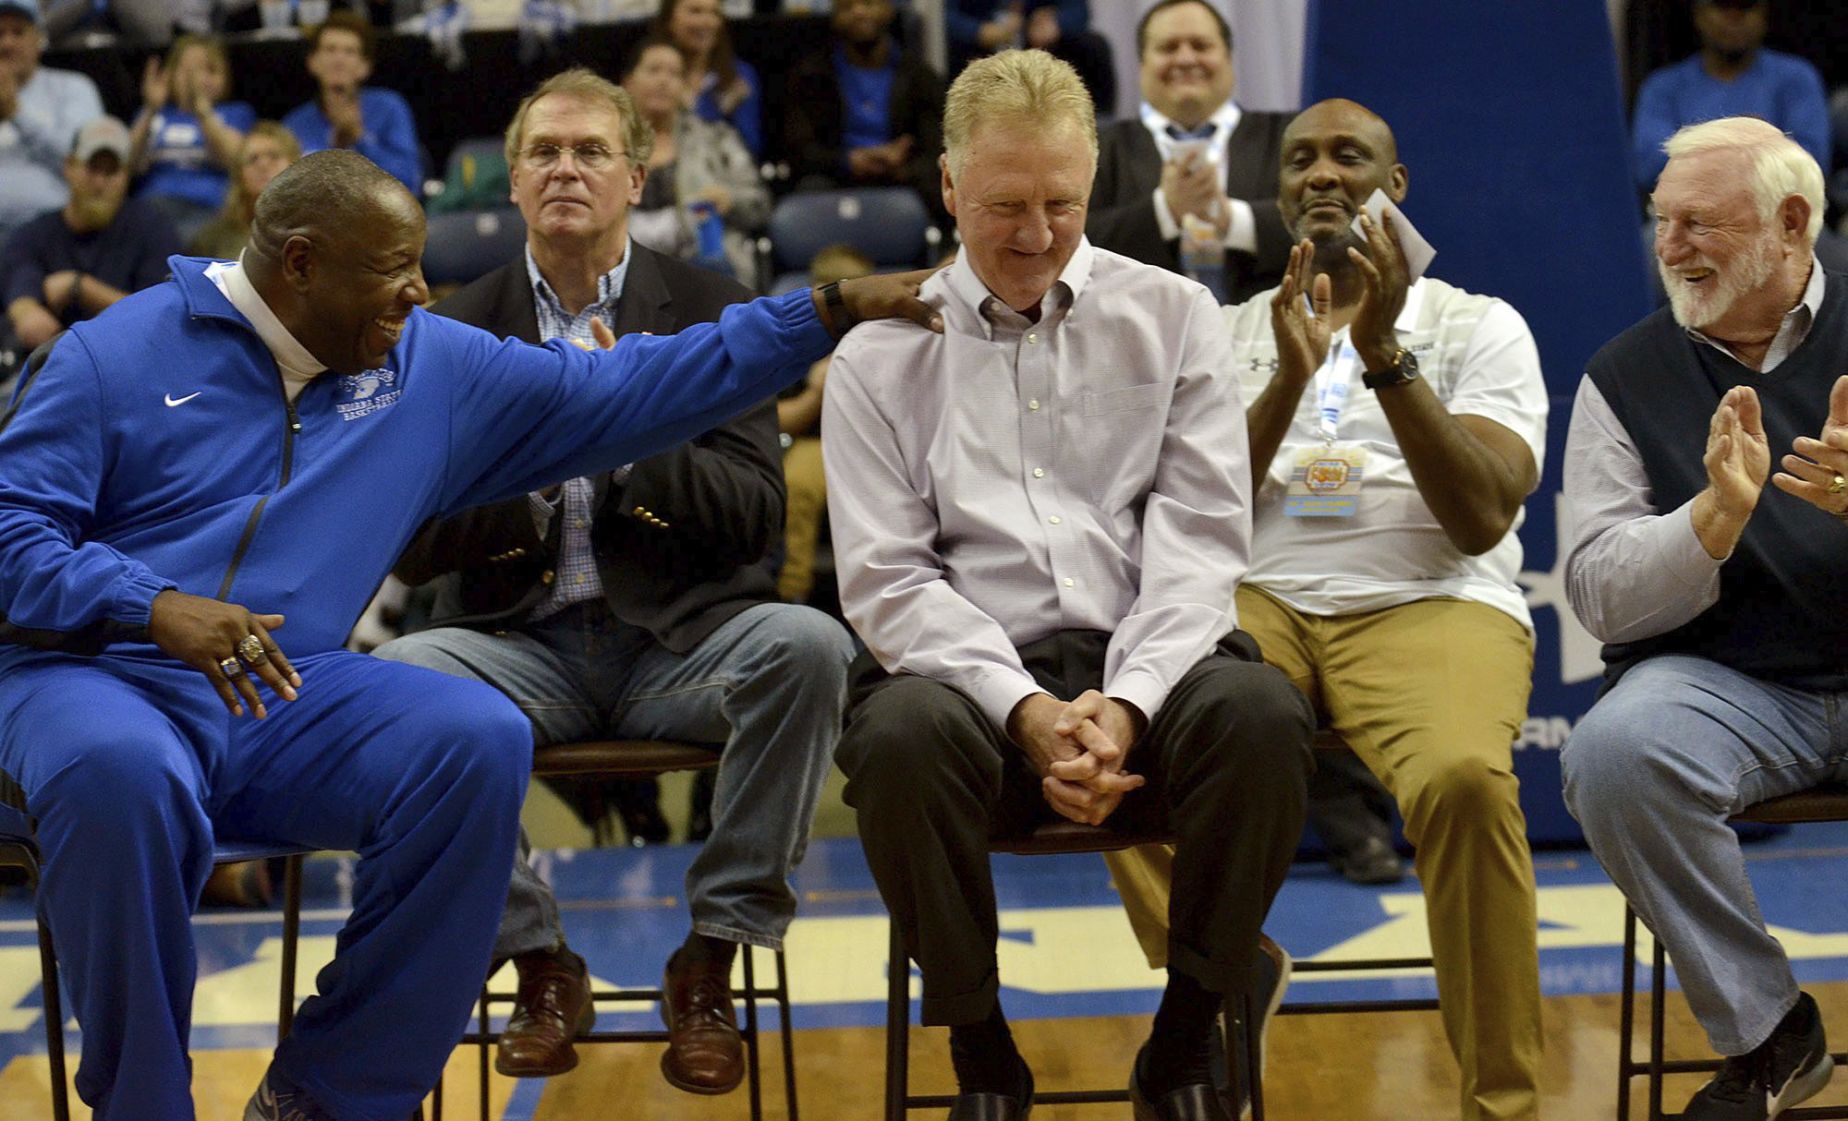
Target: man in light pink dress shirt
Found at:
1039, 542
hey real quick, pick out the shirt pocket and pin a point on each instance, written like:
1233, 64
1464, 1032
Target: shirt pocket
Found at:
1129, 399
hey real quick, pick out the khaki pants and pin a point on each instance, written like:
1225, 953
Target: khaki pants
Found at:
1431, 696
802, 510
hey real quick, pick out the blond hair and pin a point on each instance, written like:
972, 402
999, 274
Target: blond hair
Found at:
637, 136
1780, 166
1015, 87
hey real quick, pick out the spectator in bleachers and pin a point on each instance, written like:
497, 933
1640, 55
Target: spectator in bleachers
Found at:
1734, 75
798, 417
720, 86
69, 264
267, 149
41, 109
866, 111
702, 198
1192, 151
187, 134
347, 113
1722, 602
661, 622
1059, 27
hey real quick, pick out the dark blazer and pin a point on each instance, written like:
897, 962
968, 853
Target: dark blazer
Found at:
813, 137
1122, 217
680, 544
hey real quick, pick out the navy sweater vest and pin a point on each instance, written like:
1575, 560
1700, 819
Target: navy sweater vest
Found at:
1782, 614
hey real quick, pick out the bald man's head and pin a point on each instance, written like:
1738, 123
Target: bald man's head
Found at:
1336, 153
336, 250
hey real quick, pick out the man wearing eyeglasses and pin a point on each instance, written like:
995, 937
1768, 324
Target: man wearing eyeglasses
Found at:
635, 604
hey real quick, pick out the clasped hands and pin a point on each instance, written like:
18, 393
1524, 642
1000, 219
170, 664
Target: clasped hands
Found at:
1078, 749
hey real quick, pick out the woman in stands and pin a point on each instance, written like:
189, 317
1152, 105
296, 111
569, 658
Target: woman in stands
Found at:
720, 86
187, 135
703, 199
267, 148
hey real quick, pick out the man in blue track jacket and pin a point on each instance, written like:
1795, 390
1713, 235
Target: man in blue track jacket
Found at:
257, 442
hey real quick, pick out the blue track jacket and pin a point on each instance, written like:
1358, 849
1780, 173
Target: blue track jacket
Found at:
156, 449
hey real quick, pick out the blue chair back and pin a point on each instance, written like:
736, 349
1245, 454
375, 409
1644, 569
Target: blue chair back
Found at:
888, 224
468, 244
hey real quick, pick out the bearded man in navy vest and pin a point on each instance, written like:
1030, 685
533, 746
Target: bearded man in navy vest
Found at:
1722, 603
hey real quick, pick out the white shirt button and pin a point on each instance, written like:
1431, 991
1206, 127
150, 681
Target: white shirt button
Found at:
1069, 582
1033, 404
1054, 519
1039, 472
1032, 338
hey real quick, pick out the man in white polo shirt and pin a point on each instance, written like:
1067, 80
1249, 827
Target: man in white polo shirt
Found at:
1396, 426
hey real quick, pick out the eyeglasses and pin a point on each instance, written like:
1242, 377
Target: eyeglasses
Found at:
588, 157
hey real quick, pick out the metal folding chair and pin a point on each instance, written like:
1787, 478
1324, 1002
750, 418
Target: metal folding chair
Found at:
1824, 803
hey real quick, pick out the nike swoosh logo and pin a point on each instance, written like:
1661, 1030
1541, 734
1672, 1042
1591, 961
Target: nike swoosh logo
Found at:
172, 400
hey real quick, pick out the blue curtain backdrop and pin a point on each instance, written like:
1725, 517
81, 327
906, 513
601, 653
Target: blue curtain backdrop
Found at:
1510, 119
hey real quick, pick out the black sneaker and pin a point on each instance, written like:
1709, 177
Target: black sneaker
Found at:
1790, 1067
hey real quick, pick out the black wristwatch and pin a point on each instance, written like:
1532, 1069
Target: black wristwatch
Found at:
1402, 368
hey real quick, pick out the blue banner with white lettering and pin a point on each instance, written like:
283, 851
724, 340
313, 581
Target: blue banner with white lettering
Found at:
1510, 120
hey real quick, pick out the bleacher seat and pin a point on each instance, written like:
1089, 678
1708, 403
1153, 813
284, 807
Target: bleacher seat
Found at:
888, 224
468, 244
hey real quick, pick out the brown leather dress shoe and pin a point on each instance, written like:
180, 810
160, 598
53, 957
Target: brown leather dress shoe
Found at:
704, 1052
551, 1009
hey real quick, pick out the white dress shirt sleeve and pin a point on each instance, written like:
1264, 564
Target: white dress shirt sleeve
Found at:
1241, 226
1631, 572
1196, 524
1165, 221
892, 584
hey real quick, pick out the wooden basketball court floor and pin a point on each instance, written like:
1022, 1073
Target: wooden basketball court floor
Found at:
1074, 984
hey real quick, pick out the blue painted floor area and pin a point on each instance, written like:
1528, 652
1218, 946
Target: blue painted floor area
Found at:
1066, 949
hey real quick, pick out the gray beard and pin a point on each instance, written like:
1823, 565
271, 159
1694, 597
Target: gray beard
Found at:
1747, 274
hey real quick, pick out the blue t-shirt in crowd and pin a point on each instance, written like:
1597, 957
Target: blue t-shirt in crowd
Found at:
179, 162
747, 118
866, 101
390, 139
129, 253
1781, 88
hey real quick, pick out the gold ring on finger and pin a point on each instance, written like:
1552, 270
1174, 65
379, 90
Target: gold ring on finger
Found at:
230, 667
250, 648
1838, 484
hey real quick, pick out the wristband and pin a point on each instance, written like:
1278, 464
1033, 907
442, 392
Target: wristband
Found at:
836, 305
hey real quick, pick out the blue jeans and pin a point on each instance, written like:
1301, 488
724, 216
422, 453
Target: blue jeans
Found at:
769, 684
1652, 773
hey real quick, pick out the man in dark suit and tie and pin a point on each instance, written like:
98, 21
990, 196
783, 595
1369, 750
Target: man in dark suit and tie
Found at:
635, 604
1192, 151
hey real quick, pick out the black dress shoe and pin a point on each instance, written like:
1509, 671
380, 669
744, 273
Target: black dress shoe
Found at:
987, 1106
1373, 861
1196, 1101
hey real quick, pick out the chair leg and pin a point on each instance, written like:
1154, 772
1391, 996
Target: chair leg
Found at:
753, 1072
789, 1035
1658, 997
1626, 1015
291, 938
898, 1026
484, 1051
1254, 1062
54, 1025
